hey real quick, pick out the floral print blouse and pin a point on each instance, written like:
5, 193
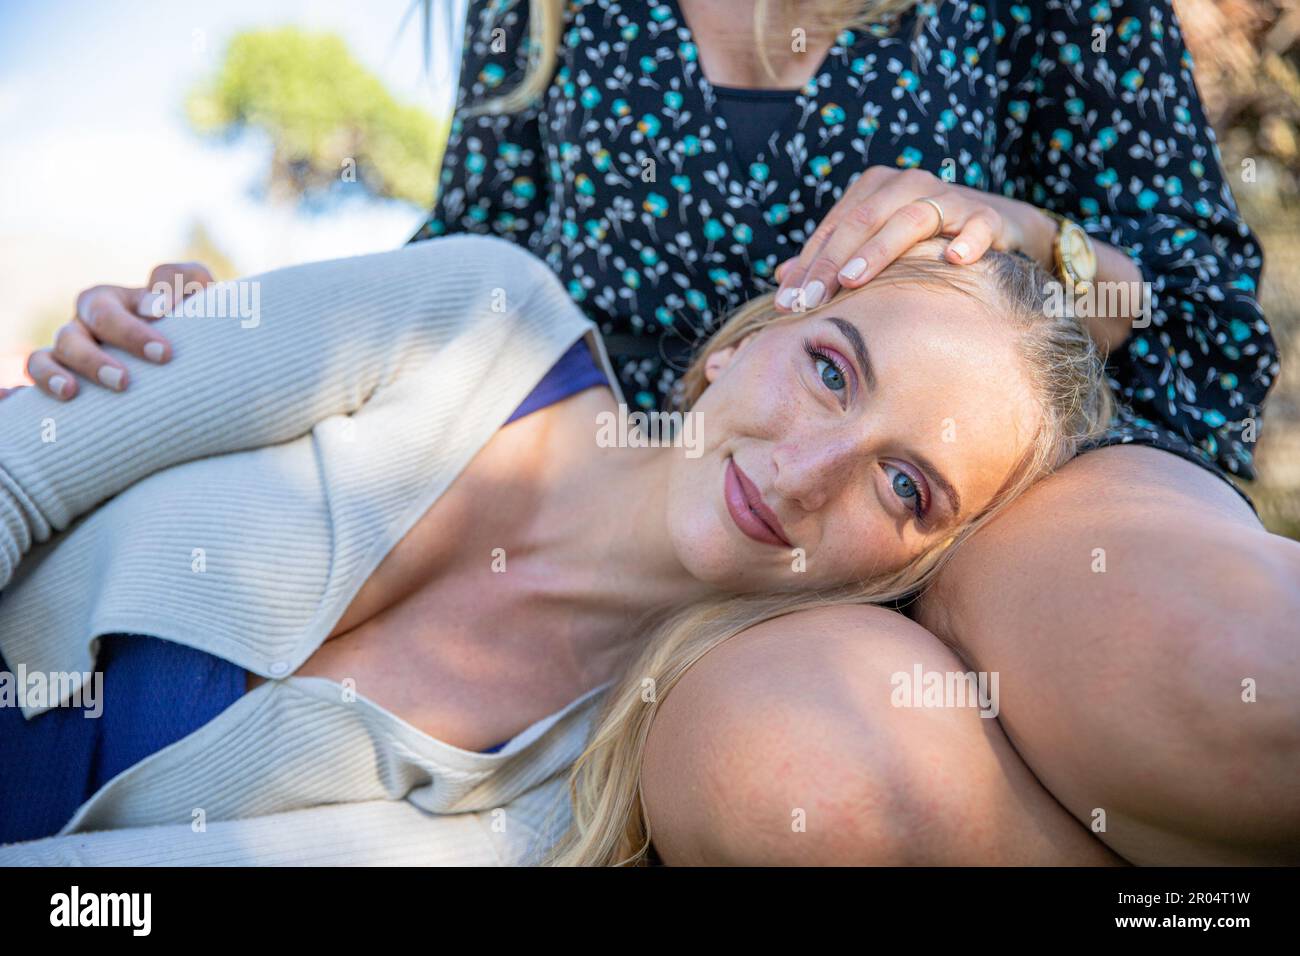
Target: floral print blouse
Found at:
625, 178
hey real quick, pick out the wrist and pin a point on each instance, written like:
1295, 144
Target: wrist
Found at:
1038, 231
1028, 229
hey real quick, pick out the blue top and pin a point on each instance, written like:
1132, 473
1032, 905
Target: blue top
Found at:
156, 692
575, 371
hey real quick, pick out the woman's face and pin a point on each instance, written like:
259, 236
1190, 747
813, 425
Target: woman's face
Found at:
840, 445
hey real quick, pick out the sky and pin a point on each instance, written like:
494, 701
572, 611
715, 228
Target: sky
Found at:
100, 176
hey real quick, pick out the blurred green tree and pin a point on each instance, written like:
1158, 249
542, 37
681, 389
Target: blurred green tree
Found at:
330, 121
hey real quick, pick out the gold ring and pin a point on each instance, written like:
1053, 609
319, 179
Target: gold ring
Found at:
939, 210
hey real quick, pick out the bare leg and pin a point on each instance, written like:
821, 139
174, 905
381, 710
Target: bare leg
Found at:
782, 746
1121, 688
1127, 689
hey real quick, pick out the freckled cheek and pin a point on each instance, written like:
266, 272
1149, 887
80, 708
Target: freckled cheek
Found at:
860, 546
764, 402
779, 395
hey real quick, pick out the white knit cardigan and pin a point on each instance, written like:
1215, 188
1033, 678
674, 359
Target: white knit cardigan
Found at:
256, 482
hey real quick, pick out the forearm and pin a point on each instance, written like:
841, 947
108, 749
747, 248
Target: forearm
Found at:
304, 344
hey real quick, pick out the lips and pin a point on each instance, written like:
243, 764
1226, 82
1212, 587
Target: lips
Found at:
746, 507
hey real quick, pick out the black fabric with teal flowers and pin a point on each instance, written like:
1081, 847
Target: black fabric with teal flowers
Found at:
1011, 98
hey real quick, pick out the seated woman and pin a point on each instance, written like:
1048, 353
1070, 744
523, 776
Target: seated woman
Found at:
361, 568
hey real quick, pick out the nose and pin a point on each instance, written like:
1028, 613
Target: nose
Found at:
810, 471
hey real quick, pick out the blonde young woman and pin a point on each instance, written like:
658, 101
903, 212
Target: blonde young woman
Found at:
393, 580
670, 167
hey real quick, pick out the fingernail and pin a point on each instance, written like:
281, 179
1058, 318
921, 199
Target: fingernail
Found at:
813, 292
854, 268
785, 298
57, 384
959, 249
110, 377
153, 351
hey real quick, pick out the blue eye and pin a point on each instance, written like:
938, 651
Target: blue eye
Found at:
832, 378
828, 369
906, 487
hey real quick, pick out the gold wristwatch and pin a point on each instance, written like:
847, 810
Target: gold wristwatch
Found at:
1074, 254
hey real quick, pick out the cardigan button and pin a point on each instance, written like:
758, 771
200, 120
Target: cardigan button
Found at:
279, 668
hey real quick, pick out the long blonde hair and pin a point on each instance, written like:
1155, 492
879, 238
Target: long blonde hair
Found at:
546, 23
1066, 374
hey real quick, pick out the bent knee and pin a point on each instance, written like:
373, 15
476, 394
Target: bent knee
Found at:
1156, 631
788, 744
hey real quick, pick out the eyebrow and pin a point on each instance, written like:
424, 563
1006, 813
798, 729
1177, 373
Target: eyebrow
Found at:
859, 346
850, 332
944, 485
